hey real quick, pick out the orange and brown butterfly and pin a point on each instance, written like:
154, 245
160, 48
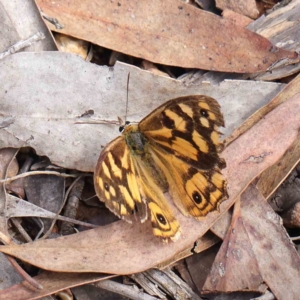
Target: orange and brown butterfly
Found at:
174, 149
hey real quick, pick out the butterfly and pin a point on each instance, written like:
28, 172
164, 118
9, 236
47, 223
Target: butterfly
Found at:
174, 149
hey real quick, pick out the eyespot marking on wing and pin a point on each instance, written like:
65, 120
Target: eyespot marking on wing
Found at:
157, 216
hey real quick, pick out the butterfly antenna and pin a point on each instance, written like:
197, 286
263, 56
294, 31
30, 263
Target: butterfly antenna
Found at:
127, 97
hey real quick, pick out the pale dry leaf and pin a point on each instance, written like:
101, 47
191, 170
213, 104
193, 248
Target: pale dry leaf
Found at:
292, 89
20, 20
66, 87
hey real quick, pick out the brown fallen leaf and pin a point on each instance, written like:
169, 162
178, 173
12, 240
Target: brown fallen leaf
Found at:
203, 243
220, 228
247, 8
235, 267
51, 282
256, 249
237, 18
121, 248
165, 32
271, 178
291, 218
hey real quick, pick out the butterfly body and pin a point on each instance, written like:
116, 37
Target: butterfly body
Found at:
175, 149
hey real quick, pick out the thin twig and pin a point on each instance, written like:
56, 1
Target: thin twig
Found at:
124, 290
26, 277
7, 180
53, 21
59, 211
22, 44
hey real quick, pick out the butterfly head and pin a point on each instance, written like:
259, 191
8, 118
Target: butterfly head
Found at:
122, 127
128, 128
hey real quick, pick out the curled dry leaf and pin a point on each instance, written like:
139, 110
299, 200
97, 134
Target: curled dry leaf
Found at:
121, 248
166, 32
281, 27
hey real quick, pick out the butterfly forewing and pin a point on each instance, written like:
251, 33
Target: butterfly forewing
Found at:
187, 127
184, 138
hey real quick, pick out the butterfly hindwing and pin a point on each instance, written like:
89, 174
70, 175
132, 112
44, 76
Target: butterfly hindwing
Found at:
164, 224
116, 183
126, 186
199, 193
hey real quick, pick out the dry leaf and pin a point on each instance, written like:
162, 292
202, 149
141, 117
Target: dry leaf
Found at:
167, 32
235, 267
21, 19
282, 28
8, 167
256, 249
244, 7
237, 18
51, 282
288, 92
271, 178
69, 87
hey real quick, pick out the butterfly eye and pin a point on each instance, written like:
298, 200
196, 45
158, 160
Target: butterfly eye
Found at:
197, 197
127, 122
121, 128
161, 219
204, 113
106, 186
